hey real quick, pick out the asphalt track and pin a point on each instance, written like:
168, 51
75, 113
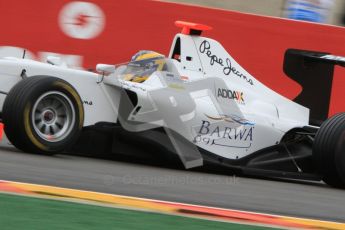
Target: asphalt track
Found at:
298, 199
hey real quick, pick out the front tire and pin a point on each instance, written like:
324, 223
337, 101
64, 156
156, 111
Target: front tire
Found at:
329, 151
43, 115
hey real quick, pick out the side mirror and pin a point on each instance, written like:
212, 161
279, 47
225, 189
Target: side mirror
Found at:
105, 69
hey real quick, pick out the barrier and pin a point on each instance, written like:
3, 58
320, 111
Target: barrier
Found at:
87, 33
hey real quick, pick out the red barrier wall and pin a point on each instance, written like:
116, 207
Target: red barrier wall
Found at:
258, 43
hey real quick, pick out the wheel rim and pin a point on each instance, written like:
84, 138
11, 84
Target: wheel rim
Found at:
53, 116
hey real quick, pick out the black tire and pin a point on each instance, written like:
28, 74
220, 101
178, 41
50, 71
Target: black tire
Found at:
329, 151
52, 130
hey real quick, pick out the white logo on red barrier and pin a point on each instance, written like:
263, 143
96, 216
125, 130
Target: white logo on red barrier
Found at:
82, 20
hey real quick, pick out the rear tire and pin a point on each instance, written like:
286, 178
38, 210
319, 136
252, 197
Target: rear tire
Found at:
329, 151
43, 115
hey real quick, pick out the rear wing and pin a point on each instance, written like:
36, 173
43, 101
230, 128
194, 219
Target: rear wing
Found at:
321, 57
314, 72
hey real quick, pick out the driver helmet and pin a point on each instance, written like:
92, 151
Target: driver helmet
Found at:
145, 62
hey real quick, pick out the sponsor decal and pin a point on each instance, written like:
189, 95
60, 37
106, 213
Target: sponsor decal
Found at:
230, 94
228, 68
86, 102
231, 119
239, 137
82, 20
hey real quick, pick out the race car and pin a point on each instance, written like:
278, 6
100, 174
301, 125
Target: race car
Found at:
198, 103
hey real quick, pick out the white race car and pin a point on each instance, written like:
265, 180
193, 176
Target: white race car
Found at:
198, 103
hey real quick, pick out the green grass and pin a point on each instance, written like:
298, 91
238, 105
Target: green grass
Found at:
19, 212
